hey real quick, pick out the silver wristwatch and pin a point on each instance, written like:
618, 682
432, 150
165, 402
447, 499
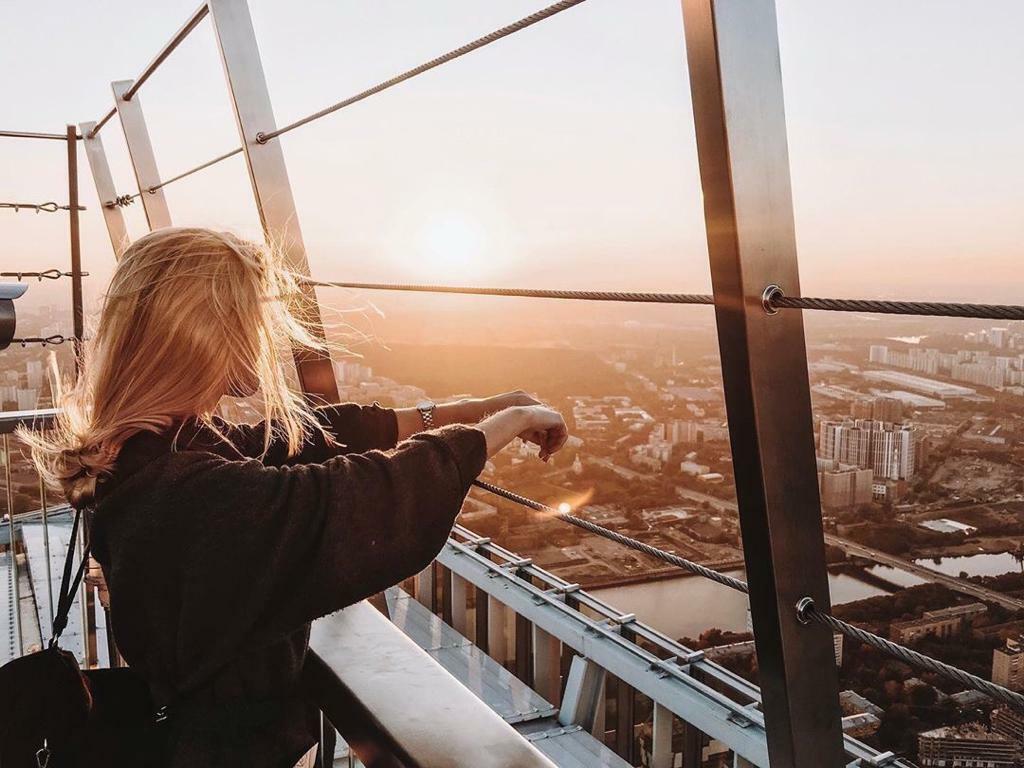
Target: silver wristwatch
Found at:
426, 409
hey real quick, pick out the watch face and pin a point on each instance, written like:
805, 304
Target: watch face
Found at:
426, 405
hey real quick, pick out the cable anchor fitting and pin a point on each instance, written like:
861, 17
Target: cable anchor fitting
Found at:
771, 294
804, 609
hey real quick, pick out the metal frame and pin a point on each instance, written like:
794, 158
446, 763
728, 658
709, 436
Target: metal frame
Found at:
74, 234
250, 99
707, 697
736, 83
140, 149
113, 216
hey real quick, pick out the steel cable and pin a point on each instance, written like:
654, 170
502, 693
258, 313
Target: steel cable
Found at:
773, 301
124, 200
48, 207
535, 293
498, 34
54, 340
626, 541
806, 610
884, 307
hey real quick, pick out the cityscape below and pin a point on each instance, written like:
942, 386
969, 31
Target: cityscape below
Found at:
919, 470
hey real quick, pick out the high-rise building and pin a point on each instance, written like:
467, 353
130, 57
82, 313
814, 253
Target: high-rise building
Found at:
1008, 665
842, 486
892, 452
886, 409
886, 449
1009, 722
967, 745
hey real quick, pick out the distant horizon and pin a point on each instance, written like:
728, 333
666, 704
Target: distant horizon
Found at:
524, 166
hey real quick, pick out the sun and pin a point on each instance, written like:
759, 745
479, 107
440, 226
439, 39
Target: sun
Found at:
454, 246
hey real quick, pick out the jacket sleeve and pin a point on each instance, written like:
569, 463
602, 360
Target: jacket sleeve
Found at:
272, 548
349, 428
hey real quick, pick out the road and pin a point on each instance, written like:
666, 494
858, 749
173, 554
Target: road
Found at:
883, 558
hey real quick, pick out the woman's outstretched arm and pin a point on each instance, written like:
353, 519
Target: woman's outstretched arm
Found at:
275, 547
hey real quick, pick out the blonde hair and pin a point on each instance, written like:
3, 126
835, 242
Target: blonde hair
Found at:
190, 315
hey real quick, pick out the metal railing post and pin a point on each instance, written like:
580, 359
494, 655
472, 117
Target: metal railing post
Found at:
497, 634
661, 738
140, 150
113, 216
458, 597
74, 234
250, 98
736, 84
547, 671
12, 551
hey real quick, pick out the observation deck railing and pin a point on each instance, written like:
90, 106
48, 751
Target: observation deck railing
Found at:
736, 88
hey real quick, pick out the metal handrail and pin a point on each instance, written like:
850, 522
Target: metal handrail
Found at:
179, 37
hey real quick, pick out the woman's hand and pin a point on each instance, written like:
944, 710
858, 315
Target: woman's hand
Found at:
537, 424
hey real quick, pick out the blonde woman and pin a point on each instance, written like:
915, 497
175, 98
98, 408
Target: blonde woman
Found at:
220, 542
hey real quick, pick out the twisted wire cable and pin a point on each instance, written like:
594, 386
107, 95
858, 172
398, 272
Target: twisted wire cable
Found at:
48, 207
774, 299
124, 200
48, 274
626, 541
498, 34
535, 293
806, 610
929, 308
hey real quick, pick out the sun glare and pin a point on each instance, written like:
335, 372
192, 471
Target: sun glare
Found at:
455, 247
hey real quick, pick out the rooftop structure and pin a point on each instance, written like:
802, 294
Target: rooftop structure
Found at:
931, 387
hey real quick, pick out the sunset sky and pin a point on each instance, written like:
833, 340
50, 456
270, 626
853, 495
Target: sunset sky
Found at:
563, 156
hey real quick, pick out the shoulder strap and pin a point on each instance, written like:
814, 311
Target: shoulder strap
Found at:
69, 584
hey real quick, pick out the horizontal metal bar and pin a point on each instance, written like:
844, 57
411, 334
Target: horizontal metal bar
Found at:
480, 42
710, 670
38, 419
179, 37
672, 685
34, 135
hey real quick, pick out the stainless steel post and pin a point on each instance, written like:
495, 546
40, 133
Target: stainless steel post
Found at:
13, 550
736, 83
113, 217
74, 233
140, 149
243, 68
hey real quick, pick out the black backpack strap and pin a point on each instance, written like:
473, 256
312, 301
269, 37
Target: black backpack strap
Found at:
68, 583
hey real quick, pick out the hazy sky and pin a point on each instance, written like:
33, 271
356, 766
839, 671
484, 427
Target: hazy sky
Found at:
563, 156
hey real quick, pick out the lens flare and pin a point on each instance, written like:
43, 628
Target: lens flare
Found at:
564, 508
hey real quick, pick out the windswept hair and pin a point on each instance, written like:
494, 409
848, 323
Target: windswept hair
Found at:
191, 314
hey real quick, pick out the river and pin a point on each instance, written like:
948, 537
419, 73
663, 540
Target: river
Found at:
974, 565
687, 606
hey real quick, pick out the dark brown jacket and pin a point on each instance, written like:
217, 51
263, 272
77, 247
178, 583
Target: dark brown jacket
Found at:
217, 561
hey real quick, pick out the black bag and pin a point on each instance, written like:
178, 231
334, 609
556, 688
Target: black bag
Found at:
54, 715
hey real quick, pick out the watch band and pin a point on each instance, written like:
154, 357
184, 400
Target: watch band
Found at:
427, 414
